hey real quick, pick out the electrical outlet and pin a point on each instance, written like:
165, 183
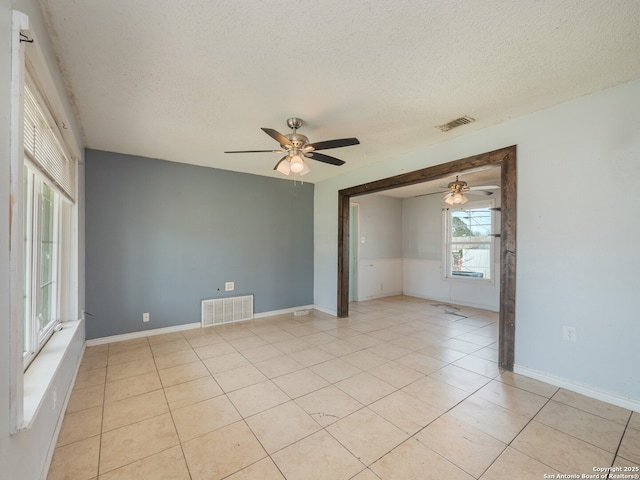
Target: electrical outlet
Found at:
145, 317
229, 286
570, 334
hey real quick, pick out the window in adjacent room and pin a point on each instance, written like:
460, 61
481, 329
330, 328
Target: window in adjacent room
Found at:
468, 242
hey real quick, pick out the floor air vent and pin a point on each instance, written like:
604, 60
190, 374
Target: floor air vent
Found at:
226, 310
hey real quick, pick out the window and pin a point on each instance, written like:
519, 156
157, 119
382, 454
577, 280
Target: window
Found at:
48, 188
468, 242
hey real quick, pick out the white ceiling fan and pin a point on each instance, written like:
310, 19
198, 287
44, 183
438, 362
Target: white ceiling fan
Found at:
457, 191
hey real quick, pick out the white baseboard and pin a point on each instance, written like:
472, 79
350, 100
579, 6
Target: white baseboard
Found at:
187, 326
333, 313
284, 311
381, 295
587, 390
143, 333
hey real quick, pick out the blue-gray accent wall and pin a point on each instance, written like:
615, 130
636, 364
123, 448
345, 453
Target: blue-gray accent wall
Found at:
163, 236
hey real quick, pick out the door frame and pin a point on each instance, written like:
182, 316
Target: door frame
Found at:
505, 158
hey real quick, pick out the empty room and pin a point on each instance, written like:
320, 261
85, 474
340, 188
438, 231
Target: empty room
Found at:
319, 240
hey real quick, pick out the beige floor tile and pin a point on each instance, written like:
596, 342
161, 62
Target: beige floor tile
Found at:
257, 398
132, 355
133, 409
461, 346
263, 469
406, 412
170, 347
421, 363
528, 384
596, 407
214, 350
363, 340
247, 343
182, 373
438, 394
560, 451
396, 374
204, 339
596, 430
204, 417
461, 378
414, 461
276, 367
129, 387
365, 388
441, 353
324, 458
165, 338
276, 336
166, 465
191, 392
80, 425
364, 359
630, 446
311, 356
319, 338
300, 330
84, 398
481, 366
328, 405
513, 464
470, 449
90, 378
239, 378
635, 421
130, 369
512, 398
367, 435
493, 419
174, 359
335, 370
340, 348
259, 354
291, 346
222, 452
136, 441
389, 351
77, 460
281, 426
226, 362
488, 353
300, 382
366, 475
133, 344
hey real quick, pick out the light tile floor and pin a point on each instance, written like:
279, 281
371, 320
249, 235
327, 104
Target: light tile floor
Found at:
402, 389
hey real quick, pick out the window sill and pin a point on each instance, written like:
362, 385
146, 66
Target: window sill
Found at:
40, 375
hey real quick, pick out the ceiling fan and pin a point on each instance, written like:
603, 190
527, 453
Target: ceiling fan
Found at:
455, 195
297, 148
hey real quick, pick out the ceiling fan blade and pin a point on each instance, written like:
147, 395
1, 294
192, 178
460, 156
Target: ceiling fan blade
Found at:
321, 157
283, 159
278, 137
484, 187
253, 151
337, 143
427, 194
483, 193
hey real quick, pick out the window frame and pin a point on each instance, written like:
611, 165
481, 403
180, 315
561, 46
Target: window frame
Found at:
447, 243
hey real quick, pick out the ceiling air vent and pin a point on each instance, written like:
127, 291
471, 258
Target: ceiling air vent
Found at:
456, 123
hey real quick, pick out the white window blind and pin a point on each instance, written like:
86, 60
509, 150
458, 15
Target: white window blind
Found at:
43, 146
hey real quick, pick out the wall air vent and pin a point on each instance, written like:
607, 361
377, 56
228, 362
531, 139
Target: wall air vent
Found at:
456, 123
226, 310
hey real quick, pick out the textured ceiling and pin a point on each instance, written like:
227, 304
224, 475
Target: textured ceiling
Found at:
186, 80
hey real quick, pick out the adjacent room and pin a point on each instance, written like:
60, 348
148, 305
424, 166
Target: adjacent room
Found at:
336, 240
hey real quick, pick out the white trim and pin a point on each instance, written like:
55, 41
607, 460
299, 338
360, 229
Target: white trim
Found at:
284, 311
587, 390
16, 388
56, 432
43, 370
142, 333
191, 326
325, 310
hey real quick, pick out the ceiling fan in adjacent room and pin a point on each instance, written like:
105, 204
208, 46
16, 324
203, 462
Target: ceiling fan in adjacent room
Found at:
458, 189
297, 149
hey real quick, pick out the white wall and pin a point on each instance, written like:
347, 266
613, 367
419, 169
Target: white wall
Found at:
24, 455
578, 179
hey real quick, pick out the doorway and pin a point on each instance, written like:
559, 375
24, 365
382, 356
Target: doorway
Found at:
504, 158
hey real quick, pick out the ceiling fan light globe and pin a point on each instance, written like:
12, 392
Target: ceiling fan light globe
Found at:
284, 167
305, 170
297, 164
